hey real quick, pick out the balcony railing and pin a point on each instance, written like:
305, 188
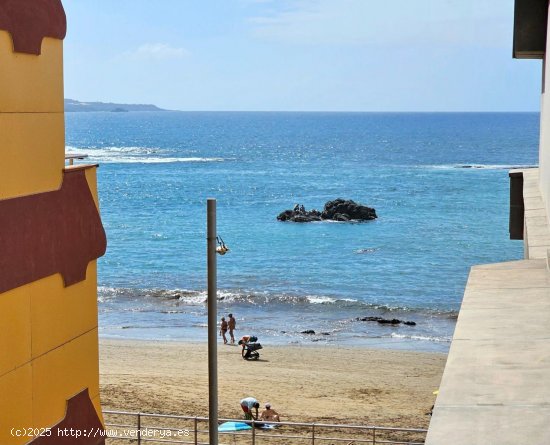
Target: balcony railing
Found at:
144, 428
71, 157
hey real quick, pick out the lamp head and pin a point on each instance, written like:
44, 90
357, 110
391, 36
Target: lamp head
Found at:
222, 250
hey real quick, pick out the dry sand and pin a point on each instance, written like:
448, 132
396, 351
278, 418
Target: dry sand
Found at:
303, 383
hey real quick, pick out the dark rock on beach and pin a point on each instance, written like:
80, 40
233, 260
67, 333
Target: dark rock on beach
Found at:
337, 210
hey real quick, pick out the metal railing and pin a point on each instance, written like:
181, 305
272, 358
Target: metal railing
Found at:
72, 157
138, 428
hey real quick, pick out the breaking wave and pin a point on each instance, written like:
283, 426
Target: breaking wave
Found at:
179, 297
478, 166
134, 155
421, 338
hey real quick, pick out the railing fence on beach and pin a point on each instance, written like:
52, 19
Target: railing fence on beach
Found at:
151, 429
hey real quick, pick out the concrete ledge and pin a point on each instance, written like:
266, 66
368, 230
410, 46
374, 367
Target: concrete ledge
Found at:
490, 425
537, 229
496, 384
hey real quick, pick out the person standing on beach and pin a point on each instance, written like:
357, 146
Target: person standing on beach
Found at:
232, 323
248, 405
223, 330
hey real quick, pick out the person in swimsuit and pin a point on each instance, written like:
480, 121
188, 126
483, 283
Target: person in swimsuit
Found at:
223, 330
269, 414
231, 325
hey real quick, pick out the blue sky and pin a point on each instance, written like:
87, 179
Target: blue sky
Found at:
299, 55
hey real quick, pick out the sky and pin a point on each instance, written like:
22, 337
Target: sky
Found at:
299, 55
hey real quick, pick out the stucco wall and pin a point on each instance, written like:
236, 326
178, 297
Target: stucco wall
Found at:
48, 317
544, 151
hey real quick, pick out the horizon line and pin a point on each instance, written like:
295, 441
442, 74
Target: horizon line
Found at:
319, 111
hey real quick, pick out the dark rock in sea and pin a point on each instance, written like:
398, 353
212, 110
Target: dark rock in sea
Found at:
349, 209
381, 320
369, 319
337, 210
340, 217
303, 218
325, 333
392, 321
286, 215
309, 332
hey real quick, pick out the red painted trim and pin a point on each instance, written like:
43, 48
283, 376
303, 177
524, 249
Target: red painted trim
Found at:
48, 233
29, 21
80, 419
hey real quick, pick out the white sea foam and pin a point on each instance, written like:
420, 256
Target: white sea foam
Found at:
421, 338
313, 299
476, 166
134, 155
106, 289
199, 298
193, 300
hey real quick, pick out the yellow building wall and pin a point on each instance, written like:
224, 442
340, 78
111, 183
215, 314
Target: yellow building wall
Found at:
48, 332
49, 344
36, 82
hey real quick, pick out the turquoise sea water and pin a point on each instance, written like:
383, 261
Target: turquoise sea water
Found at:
439, 183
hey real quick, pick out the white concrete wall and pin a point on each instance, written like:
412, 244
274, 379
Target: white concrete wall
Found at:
544, 150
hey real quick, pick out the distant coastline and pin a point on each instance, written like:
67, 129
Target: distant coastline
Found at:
72, 105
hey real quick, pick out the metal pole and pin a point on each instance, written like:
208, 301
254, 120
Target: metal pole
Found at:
312, 434
139, 428
196, 432
253, 433
212, 324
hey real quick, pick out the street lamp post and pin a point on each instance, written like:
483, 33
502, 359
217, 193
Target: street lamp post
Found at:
212, 324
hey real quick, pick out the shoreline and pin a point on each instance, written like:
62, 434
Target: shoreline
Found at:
406, 344
157, 317
313, 383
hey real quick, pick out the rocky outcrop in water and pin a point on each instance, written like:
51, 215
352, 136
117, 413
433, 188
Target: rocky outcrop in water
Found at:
337, 210
312, 332
381, 320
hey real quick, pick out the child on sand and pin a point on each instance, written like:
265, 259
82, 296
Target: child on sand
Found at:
223, 330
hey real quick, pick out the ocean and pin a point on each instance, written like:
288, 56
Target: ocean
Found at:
438, 181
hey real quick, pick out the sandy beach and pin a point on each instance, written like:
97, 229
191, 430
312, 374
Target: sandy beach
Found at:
303, 383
